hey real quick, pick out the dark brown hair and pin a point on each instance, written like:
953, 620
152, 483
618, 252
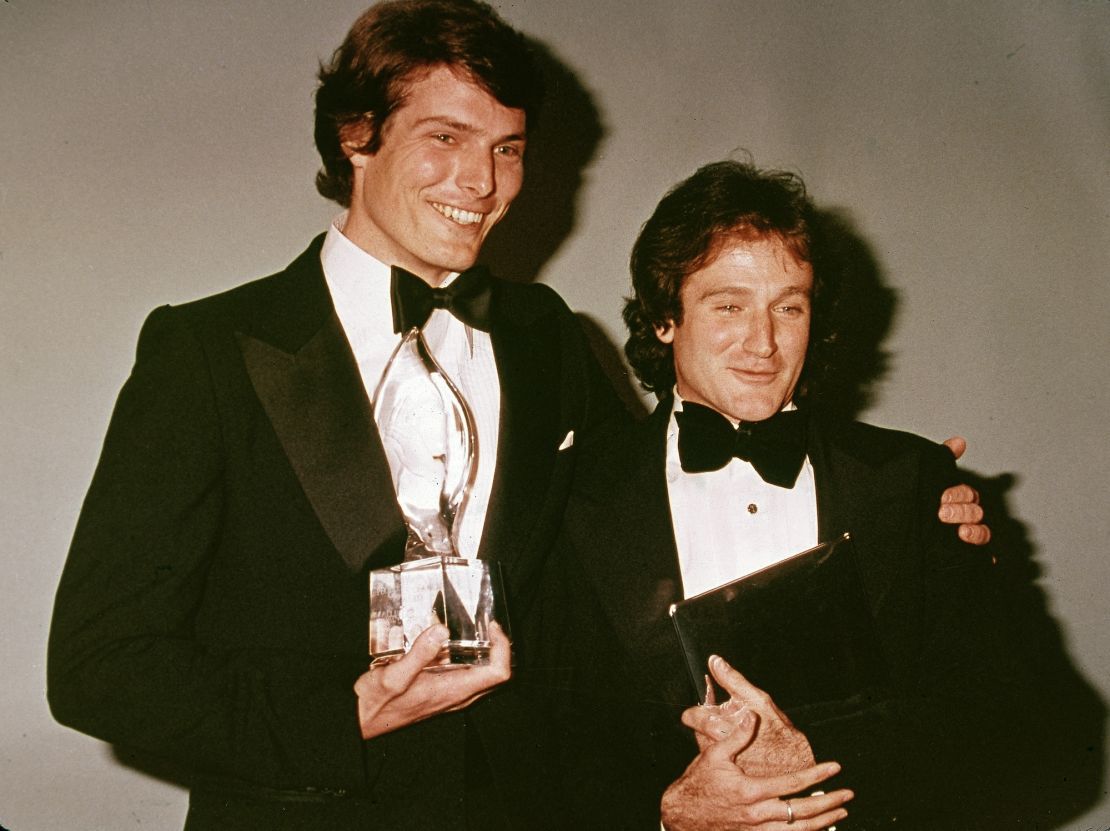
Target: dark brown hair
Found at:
387, 48
719, 203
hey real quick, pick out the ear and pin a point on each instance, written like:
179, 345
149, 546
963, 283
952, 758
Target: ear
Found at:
354, 137
665, 331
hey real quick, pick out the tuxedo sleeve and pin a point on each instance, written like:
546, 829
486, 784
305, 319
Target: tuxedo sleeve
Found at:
939, 746
125, 663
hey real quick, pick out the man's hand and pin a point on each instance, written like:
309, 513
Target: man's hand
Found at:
959, 505
401, 692
714, 794
778, 748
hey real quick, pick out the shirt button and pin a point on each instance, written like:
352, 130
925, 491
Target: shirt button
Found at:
752, 508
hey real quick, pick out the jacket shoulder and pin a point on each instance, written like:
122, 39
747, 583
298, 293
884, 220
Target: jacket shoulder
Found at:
525, 302
243, 301
878, 444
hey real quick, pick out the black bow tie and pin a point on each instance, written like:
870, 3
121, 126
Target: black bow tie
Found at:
776, 447
467, 298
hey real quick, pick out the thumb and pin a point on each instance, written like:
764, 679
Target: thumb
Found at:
424, 652
957, 445
732, 745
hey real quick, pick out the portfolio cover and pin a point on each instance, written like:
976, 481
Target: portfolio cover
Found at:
800, 629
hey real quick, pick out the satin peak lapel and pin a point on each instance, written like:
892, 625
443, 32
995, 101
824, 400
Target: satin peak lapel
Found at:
855, 493
313, 395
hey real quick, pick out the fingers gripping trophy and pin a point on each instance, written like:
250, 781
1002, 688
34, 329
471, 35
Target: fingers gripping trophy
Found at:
431, 443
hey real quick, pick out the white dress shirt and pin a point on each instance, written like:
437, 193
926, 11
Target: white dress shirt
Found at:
729, 523
359, 287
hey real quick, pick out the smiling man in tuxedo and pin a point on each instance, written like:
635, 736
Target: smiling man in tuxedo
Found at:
733, 325
214, 607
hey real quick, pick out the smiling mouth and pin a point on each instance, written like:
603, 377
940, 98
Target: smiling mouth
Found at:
458, 215
753, 377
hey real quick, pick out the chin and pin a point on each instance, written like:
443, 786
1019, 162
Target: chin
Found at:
459, 260
758, 412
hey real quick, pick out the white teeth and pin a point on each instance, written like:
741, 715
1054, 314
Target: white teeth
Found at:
459, 216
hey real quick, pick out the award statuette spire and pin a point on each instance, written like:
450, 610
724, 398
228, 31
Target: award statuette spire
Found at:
431, 443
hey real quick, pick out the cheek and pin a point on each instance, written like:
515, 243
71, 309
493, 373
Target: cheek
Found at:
704, 350
797, 345
425, 169
720, 337
510, 179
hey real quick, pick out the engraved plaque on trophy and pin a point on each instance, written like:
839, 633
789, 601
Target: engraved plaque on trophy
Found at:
432, 446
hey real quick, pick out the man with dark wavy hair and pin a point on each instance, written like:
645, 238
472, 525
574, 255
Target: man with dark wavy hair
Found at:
732, 324
214, 607
687, 231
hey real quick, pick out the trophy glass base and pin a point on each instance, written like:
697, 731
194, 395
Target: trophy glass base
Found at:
465, 595
468, 652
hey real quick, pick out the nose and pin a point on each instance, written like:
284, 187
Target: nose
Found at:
475, 173
759, 339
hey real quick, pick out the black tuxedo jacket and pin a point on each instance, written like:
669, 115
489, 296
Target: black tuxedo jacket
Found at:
922, 754
214, 606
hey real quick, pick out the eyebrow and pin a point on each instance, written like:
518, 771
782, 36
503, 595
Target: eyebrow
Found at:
733, 291
726, 291
462, 127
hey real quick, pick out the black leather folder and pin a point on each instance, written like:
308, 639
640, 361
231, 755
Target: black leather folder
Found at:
800, 629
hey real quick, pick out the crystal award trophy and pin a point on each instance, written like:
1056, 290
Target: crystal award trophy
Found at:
432, 446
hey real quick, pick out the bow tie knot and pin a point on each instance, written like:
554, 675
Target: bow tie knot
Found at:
775, 447
467, 297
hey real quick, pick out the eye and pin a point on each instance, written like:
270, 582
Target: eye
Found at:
728, 308
443, 138
793, 309
509, 151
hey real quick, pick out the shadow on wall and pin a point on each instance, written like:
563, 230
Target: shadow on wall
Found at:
846, 360
1071, 714
560, 148
1072, 717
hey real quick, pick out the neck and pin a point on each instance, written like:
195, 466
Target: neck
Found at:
384, 253
734, 421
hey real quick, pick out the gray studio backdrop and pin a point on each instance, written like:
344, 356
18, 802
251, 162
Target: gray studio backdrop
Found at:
154, 152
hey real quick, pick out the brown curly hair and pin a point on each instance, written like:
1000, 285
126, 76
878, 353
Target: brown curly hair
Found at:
720, 202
